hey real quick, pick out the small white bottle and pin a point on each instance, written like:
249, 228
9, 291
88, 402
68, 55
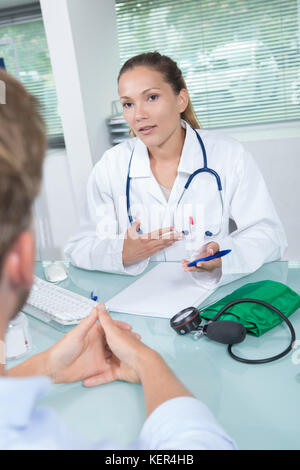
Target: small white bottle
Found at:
17, 339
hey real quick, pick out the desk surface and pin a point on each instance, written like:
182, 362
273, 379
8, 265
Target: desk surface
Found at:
258, 405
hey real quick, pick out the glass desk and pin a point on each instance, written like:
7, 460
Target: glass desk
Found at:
258, 405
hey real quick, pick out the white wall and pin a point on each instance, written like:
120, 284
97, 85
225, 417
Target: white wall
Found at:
279, 161
84, 53
56, 216
276, 149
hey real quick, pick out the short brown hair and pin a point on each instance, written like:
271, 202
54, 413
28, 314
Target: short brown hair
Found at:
172, 75
22, 149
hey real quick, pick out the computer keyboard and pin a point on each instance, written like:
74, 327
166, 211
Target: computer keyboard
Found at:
49, 302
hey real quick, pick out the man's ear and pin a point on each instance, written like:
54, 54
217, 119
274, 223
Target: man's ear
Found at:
19, 262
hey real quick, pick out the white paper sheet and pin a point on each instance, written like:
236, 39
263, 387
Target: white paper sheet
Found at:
162, 292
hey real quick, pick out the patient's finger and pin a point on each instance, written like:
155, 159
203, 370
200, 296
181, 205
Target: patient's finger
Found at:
104, 378
123, 325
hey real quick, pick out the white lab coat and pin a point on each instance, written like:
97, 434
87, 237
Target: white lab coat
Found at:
258, 238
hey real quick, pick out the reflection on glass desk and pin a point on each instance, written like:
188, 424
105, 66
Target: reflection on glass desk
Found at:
258, 405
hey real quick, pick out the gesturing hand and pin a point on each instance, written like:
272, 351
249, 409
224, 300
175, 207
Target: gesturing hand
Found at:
203, 266
141, 246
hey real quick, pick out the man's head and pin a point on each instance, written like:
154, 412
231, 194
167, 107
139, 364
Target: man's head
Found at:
22, 148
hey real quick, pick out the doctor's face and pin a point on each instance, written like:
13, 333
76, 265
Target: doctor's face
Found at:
150, 106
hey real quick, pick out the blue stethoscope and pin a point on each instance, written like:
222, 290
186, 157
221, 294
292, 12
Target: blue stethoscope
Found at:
205, 169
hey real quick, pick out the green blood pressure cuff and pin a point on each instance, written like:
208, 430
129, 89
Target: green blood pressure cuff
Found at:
256, 318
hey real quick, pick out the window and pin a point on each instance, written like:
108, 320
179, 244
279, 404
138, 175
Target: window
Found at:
240, 58
23, 46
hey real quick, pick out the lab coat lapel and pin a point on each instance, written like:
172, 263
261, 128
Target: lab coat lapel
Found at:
191, 159
155, 191
140, 168
191, 156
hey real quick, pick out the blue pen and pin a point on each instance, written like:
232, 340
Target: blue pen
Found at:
219, 254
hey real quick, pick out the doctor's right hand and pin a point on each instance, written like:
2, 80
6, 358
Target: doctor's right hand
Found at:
141, 246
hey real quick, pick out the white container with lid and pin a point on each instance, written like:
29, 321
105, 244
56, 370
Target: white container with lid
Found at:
17, 340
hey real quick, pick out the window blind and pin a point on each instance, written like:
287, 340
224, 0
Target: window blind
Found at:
240, 58
23, 46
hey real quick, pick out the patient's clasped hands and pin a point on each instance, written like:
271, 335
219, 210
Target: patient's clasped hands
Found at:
99, 350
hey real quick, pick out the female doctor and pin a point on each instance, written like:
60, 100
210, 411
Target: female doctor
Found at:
169, 193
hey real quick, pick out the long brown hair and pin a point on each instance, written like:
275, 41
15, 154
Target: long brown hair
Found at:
172, 75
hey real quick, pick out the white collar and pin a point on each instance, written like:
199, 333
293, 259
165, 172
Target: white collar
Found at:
191, 156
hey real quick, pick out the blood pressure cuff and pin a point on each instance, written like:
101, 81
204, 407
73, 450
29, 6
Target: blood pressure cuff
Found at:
256, 318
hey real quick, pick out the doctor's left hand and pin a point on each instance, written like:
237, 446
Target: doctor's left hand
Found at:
81, 353
205, 266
